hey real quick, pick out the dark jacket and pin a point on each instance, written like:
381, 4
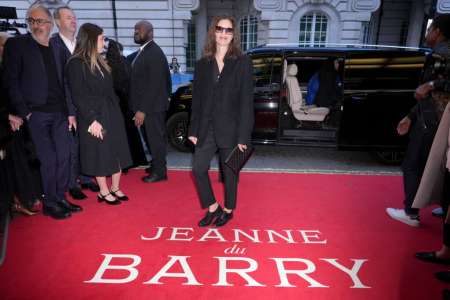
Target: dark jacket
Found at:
62, 55
150, 83
227, 104
25, 74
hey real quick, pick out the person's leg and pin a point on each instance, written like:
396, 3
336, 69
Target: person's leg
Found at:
230, 181
200, 166
40, 127
61, 140
155, 128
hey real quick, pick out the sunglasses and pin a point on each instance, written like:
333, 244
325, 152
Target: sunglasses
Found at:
227, 30
38, 22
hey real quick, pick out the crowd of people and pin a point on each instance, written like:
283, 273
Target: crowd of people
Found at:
426, 164
74, 110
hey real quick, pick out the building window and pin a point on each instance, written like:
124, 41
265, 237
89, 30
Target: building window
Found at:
249, 29
191, 54
313, 30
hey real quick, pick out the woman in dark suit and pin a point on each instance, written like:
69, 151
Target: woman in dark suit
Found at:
103, 142
222, 114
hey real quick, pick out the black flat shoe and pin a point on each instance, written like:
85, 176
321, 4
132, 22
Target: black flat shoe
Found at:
92, 186
77, 194
431, 257
443, 276
121, 198
223, 219
154, 178
102, 198
210, 216
55, 212
70, 207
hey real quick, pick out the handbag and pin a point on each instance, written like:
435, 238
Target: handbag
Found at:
237, 159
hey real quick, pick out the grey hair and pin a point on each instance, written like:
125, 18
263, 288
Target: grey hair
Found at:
57, 12
41, 7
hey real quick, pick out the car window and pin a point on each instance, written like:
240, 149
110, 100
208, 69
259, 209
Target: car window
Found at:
383, 71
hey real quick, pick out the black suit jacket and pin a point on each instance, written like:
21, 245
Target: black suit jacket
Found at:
62, 55
150, 83
226, 104
25, 74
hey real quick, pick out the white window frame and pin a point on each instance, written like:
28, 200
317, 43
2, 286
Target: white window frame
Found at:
317, 18
248, 27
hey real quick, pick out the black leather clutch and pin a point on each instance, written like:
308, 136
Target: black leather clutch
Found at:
237, 159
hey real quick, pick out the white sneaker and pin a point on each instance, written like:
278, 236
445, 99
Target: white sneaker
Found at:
400, 215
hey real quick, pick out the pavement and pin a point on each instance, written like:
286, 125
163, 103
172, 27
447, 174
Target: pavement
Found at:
269, 158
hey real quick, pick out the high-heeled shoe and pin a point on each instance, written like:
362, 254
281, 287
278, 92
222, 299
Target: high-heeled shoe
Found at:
121, 198
210, 216
19, 208
102, 198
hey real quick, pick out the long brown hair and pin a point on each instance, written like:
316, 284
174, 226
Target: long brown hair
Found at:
234, 50
86, 47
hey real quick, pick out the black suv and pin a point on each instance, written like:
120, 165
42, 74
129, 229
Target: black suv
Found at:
377, 90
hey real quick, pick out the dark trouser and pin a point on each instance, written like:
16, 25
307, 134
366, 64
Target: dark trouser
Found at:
155, 130
75, 167
420, 141
50, 135
200, 166
445, 204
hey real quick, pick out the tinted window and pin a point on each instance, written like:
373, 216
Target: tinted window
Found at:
383, 71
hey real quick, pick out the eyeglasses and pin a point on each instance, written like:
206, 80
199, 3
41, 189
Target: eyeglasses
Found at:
38, 22
227, 30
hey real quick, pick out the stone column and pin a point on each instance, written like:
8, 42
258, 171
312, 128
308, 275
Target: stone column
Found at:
415, 23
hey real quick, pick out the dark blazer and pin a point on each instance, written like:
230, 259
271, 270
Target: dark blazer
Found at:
25, 75
227, 104
150, 82
62, 55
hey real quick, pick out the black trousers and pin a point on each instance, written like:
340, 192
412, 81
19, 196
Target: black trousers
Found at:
202, 158
75, 167
50, 135
420, 141
155, 132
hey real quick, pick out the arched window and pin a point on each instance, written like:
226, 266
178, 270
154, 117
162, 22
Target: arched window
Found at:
313, 30
249, 32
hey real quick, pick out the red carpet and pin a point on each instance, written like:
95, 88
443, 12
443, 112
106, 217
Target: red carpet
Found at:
310, 233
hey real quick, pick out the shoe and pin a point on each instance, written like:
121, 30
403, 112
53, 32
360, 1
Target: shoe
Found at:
121, 198
400, 215
154, 178
438, 212
70, 207
76, 193
210, 216
102, 198
446, 294
55, 212
443, 276
431, 257
92, 186
223, 219
17, 207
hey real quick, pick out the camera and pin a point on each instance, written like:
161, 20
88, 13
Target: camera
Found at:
7, 13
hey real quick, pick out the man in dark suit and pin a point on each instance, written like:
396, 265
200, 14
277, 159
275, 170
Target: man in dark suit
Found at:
63, 44
36, 91
150, 87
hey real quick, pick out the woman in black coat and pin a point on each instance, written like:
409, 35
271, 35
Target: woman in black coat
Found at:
222, 114
103, 142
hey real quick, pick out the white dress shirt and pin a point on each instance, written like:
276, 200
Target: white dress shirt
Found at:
69, 44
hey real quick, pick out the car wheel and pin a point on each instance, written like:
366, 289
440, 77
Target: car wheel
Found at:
177, 130
389, 157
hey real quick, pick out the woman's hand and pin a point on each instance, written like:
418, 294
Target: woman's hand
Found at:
403, 126
15, 122
242, 147
193, 139
96, 130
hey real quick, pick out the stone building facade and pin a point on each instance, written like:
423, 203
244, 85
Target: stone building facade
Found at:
181, 25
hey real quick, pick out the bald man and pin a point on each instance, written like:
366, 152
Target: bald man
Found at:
150, 87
